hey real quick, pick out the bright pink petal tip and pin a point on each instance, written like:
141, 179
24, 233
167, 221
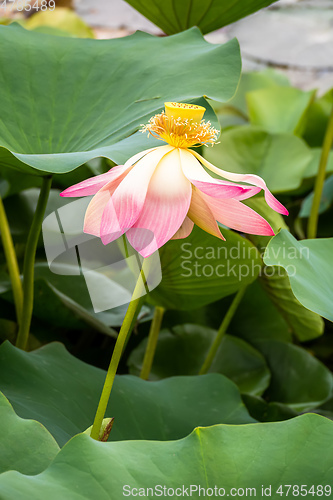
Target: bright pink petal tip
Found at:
275, 204
94, 184
197, 175
248, 178
236, 215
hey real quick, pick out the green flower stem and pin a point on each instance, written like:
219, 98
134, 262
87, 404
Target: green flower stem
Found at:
29, 262
134, 320
222, 330
13, 268
116, 355
152, 342
320, 179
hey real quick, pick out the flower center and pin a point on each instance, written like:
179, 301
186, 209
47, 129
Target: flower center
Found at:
181, 126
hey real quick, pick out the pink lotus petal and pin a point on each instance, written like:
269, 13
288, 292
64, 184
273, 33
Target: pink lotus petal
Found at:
93, 217
94, 184
198, 176
236, 215
185, 230
251, 191
202, 215
131, 161
124, 207
95, 209
249, 178
165, 208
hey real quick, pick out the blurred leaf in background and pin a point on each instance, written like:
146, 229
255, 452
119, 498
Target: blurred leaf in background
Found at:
60, 21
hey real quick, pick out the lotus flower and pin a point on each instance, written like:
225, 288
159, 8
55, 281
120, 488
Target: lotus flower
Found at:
166, 190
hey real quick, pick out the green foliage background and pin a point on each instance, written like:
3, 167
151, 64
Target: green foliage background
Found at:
263, 414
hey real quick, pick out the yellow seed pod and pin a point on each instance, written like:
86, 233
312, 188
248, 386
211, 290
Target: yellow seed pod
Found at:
179, 110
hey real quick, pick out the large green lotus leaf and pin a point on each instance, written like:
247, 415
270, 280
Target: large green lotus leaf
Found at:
118, 153
62, 393
298, 378
325, 201
182, 351
309, 266
279, 109
25, 445
294, 452
203, 269
304, 324
281, 159
96, 166
83, 96
208, 15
